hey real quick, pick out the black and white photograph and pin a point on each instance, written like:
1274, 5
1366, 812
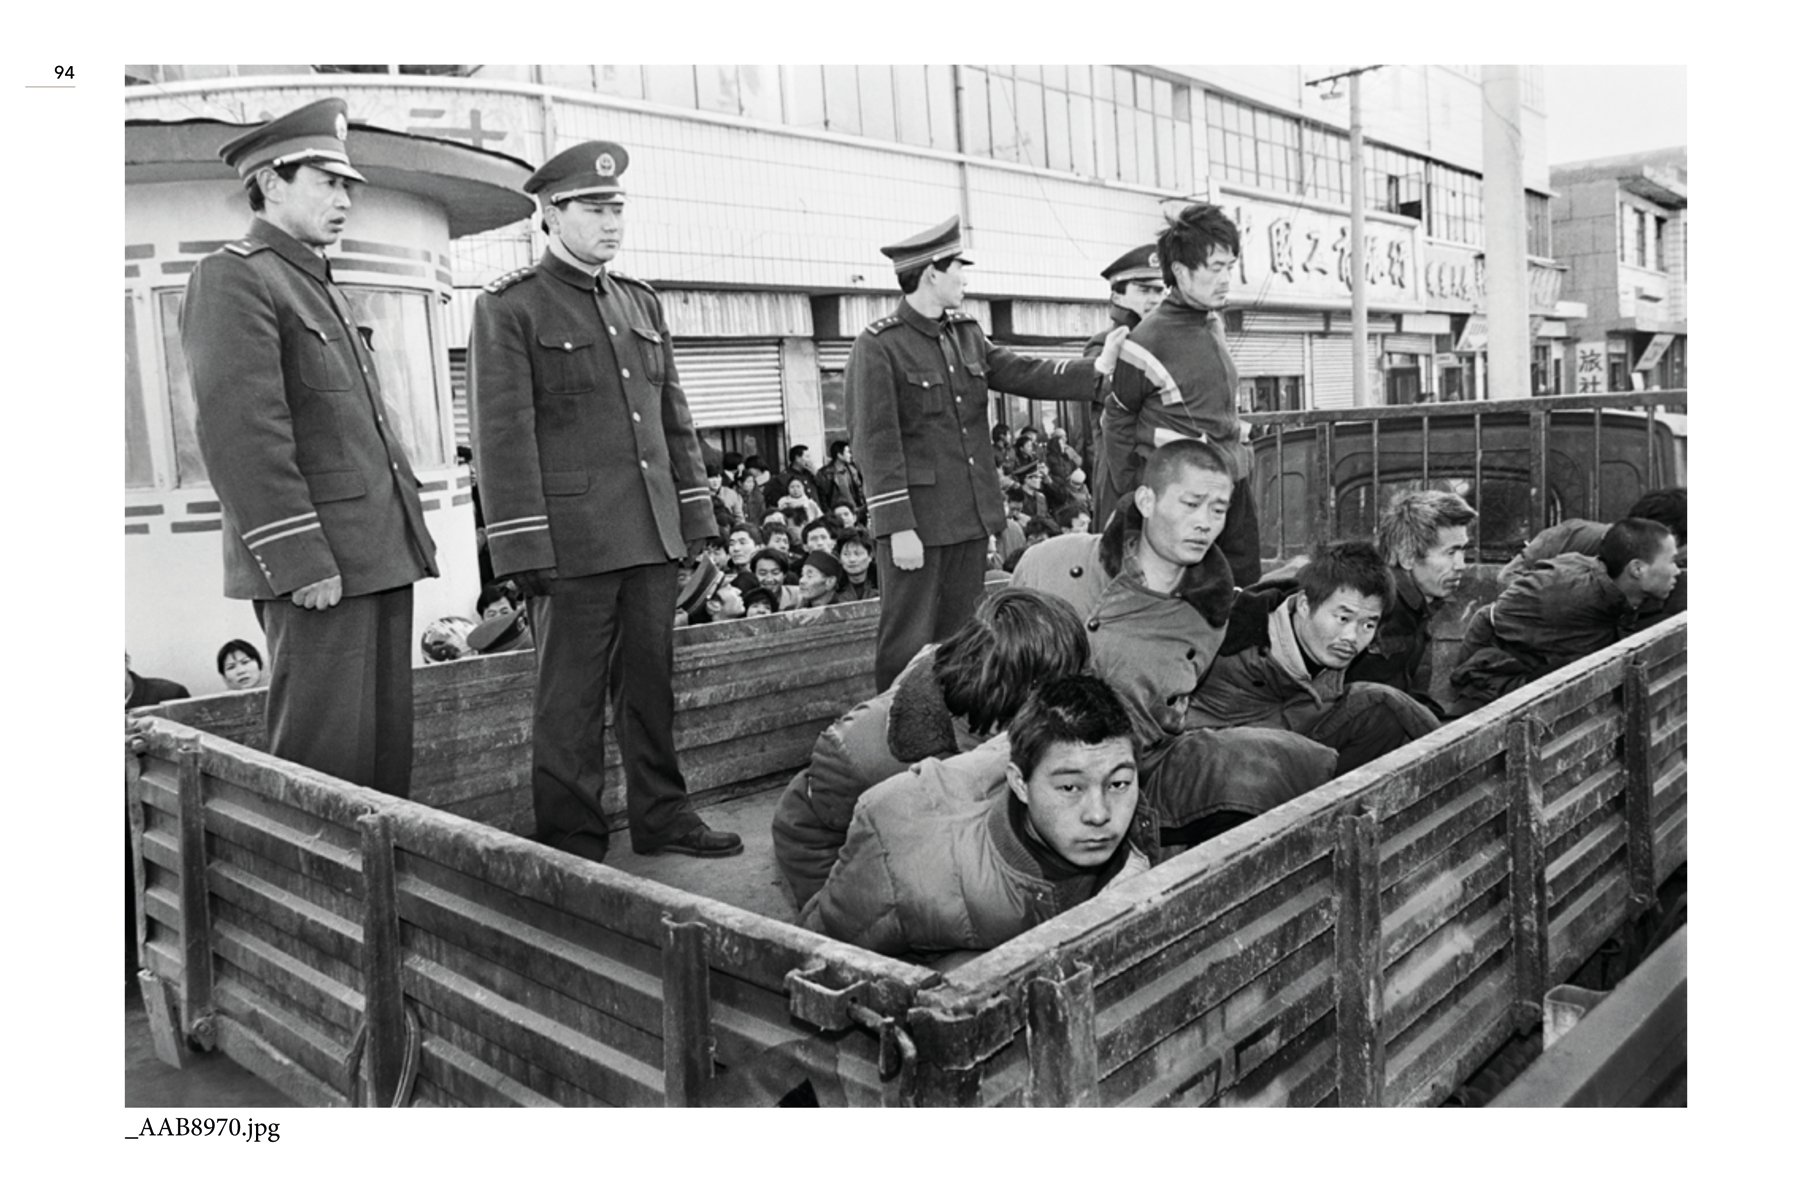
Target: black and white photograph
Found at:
905, 585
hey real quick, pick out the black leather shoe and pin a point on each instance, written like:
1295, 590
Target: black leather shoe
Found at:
701, 841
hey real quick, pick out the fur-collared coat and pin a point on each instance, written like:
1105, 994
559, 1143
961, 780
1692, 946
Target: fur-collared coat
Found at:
875, 740
933, 865
1156, 650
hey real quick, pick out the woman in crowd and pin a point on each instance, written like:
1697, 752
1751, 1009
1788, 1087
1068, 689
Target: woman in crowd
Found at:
796, 501
240, 665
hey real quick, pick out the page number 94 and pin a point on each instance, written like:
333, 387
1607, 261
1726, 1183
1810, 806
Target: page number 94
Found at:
65, 74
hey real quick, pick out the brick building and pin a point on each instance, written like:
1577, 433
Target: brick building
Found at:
1620, 228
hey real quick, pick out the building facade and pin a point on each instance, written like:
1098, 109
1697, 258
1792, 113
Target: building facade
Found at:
759, 197
761, 193
1620, 228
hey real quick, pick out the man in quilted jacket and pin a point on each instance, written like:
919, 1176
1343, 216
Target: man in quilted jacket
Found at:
968, 852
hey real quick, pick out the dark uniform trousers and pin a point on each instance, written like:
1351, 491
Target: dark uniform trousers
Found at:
917, 390
603, 643
927, 605
342, 691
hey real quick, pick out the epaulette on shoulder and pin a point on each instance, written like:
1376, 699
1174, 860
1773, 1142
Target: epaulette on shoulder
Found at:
884, 323
502, 283
631, 279
245, 247
957, 314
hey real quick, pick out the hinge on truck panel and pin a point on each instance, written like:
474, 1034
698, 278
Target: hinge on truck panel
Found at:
967, 1035
898, 1052
203, 1033
813, 998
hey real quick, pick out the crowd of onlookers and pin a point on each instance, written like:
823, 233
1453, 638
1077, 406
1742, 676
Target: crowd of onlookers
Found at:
794, 540
799, 539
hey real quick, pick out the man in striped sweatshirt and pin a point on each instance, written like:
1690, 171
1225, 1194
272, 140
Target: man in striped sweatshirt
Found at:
1176, 377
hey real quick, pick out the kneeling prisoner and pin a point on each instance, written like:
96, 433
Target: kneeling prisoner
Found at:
969, 852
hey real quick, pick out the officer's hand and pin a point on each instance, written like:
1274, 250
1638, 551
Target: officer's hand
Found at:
323, 595
908, 551
538, 582
1110, 351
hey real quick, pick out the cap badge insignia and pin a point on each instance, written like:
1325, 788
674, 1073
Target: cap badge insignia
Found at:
606, 165
339, 126
1152, 261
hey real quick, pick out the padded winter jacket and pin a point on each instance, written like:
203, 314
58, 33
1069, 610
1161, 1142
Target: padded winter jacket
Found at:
875, 740
932, 864
1260, 678
1564, 609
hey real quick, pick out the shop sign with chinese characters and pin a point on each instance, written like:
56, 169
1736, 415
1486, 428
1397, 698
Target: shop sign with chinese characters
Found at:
1454, 279
1593, 368
1294, 255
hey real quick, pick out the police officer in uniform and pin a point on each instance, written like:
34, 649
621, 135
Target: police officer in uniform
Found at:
593, 486
1135, 285
918, 384
321, 527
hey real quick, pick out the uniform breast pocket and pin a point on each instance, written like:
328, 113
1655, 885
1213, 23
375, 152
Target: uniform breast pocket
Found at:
654, 354
926, 393
563, 361
321, 358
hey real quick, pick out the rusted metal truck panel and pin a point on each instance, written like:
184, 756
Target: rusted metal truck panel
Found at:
1372, 942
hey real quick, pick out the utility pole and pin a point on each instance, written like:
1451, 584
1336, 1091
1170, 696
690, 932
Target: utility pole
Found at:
1362, 374
1506, 236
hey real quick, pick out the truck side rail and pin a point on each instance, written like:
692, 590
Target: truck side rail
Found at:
1318, 499
353, 948
1371, 942
751, 697
1627, 1051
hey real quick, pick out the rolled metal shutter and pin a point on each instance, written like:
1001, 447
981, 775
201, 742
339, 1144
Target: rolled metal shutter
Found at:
1266, 353
462, 406
833, 354
1332, 385
1409, 343
730, 383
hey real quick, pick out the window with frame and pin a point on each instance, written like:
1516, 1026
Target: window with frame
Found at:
913, 105
139, 470
1251, 145
1632, 235
1104, 122
1392, 178
1455, 205
1537, 211
1326, 164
